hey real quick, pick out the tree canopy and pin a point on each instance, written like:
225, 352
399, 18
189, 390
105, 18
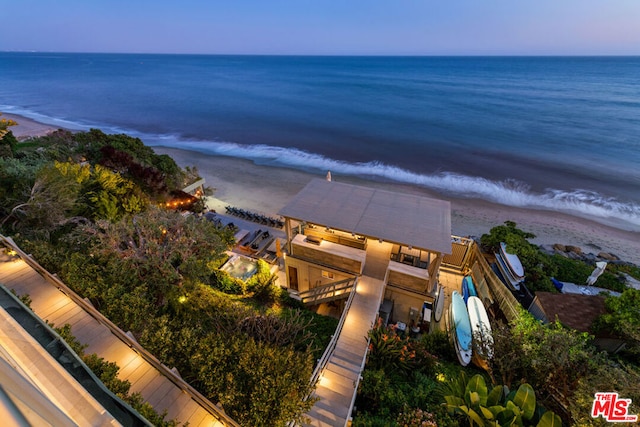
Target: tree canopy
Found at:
623, 319
90, 208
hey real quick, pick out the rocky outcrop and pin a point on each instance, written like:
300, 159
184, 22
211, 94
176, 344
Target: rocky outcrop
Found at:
608, 257
575, 252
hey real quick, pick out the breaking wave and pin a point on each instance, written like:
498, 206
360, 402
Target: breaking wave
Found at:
578, 202
510, 192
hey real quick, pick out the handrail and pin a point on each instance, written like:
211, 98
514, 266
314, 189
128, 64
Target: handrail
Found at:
357, 382
460, 242
52, 342
328, 352
322, 362
325, 290
213, 409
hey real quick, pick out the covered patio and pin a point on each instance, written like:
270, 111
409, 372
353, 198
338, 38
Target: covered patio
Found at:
419, 228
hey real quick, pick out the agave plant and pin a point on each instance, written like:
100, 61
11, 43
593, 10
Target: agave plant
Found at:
496, 407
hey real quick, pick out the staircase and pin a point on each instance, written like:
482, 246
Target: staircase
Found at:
330, 292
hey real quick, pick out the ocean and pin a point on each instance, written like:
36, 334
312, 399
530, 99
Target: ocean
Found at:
552, 133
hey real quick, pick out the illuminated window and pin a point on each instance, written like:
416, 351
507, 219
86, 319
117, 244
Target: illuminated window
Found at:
327, 274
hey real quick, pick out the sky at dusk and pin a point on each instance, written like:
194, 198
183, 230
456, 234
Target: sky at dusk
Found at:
328, 27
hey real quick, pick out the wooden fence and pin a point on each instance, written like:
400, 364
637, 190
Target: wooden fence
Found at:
490, 286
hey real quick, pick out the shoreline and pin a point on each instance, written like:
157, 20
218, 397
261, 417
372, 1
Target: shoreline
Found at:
266, 189
28, 128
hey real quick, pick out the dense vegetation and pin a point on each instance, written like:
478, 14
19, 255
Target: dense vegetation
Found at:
88, 206
400, 382
563, 366
91, 208
495, 406
541, 267
107, 373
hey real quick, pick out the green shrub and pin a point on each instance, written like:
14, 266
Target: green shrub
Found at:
223, 281
438, 344
107, 372
577, 271
481, 405
538, 269
323, 327
263, 284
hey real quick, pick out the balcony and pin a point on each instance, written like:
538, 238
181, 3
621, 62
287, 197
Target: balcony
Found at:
329, 254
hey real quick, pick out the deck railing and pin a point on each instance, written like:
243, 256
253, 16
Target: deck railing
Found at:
214, 410
54, 345
328, 292
322, 362
328, 352
356, 384
460, 253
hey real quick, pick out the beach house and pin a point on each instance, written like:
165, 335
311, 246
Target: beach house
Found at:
336, 232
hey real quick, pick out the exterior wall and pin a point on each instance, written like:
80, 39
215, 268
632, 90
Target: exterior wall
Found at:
413, 278
403, 302
434, 268
328, 259
328, 254
611, 345
311, 275
195, 188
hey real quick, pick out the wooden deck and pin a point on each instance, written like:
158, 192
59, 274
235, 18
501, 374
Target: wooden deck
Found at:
338, 383
41, 384
158, 385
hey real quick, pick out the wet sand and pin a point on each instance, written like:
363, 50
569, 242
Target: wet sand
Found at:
266, 189
27, 128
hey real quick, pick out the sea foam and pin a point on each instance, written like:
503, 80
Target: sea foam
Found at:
578, 202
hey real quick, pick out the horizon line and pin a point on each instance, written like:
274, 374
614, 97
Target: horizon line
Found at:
370, 55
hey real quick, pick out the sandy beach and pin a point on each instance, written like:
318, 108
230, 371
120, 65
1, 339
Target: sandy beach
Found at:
266, 189
27, 127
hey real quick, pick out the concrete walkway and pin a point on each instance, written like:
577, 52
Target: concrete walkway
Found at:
338, 382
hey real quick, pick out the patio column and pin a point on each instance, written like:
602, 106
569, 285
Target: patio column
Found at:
288, 231
433, 272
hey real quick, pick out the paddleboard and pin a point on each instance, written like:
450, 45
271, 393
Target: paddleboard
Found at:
481, 332
461, 328
512, 282
468, 288
512, 261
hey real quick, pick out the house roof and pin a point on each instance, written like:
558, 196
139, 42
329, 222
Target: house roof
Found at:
404, 219
576, 311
